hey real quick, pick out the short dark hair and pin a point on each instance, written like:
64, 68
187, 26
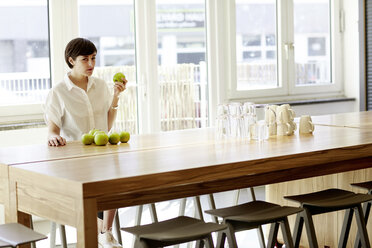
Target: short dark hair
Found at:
77, 47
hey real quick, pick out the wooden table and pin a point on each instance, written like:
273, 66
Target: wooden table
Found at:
10, 156
353, 120
70, 191
328, 226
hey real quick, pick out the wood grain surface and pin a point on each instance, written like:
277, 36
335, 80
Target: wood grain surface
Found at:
70, 190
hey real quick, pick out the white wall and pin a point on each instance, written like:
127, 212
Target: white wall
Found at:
351, 50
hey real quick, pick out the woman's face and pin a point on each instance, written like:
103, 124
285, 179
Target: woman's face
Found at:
84, 64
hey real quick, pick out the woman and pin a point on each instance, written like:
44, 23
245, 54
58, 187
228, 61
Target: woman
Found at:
78, 104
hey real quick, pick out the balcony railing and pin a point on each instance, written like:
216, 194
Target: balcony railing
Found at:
183, 90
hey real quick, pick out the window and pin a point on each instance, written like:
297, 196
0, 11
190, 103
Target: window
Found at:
182, 68
284, 49
24, 52
256, 65
312, 42
116, 50
181, 57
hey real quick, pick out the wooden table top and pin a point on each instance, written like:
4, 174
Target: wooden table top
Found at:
42, 152
204, 162
353, 119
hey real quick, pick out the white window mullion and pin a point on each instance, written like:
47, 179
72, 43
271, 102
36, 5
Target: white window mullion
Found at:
220, 51
336, 86
286, 45
63, 26
147, 66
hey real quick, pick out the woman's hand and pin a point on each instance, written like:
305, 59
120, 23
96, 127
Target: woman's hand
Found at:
120, 86
56, 140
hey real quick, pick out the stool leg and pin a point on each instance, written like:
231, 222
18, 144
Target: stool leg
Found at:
221, 238
310, 228
230, 234
346, 228
117, 227
366, 210
198, 208
53, 229
362, 227
154, 215
140, 244
62, 234
209, 242
33, 245
286, 233
297, 232
212, 205
274, 228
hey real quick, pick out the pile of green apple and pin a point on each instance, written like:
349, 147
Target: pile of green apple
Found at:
100, 138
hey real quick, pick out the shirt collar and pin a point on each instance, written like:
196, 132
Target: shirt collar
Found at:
70, 84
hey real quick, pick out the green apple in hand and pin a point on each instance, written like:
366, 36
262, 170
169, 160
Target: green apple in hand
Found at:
100, 138
118, 77
87, 139
114, 138
124, 137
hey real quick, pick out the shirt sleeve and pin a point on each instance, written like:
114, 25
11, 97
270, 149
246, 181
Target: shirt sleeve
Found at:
53, 109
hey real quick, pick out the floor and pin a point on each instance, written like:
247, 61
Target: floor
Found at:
165, 210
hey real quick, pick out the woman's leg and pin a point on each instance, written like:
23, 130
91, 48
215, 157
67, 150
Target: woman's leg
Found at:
108, 219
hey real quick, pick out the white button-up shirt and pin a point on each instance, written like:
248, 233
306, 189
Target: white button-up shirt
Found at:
75, 111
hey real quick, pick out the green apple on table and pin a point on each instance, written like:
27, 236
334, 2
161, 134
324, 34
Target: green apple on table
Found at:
124, 137
87, 139
114, 138
101, 138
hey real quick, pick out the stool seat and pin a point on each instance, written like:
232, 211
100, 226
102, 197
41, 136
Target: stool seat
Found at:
251, 215
326, 201
363, 185
14, 234
255, 212
175, 231
330, 198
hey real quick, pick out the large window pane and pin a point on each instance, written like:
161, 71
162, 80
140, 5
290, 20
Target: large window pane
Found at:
182, 63
312, 42
24, 52
256, 39
109, 24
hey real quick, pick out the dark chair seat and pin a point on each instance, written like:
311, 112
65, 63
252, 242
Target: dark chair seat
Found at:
364, 185
174, 231
332, 199
255, 212
14, 234
326, 201
251, 215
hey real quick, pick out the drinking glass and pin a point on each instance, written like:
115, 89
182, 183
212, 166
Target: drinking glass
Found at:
222, 121
235, 116
259, 129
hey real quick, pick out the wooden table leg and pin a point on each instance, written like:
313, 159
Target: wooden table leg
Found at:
87, 224
11, 205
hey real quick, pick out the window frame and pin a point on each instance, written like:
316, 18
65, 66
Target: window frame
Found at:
286, 70
221, 59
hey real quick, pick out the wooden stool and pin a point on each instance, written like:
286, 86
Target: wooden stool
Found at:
14, 234
251, 215
366, 207
328, 201
174, 231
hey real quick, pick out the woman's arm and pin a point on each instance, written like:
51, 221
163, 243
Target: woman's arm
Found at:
54, 138
118, 88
